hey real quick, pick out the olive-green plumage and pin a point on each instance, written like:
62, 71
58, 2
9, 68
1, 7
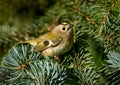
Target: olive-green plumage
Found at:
54, 43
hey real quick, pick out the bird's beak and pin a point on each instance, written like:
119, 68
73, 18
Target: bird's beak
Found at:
70, 26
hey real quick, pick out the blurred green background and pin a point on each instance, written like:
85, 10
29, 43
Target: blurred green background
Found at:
20, 20
23, 9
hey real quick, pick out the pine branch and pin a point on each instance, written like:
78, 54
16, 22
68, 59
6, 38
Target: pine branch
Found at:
113, 68
24, 66
47, 73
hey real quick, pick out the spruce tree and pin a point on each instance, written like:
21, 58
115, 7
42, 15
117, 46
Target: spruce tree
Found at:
94, 58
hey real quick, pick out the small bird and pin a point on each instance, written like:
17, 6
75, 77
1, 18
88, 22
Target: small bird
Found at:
54, 43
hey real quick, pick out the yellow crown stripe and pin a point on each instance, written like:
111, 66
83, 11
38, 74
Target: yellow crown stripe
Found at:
64, 23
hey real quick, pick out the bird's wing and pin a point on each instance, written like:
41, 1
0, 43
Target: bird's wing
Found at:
47, 43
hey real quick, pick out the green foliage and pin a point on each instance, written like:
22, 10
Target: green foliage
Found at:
23, 66
18, 55
114, 59
112, 34
86, 71
47, 73
112, 68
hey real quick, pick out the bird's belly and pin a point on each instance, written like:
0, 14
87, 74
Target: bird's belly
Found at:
54, 51
58, 50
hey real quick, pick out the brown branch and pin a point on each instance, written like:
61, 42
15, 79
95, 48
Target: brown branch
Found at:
108, 13
90, 19
22, 67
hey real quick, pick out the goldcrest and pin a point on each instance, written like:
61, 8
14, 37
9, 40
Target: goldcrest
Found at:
54, 43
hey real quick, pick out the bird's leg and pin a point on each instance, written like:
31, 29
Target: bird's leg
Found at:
57, 58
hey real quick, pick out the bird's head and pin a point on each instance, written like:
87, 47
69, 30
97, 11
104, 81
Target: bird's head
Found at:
63, 29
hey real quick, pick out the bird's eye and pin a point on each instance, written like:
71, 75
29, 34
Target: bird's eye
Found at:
63, 28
